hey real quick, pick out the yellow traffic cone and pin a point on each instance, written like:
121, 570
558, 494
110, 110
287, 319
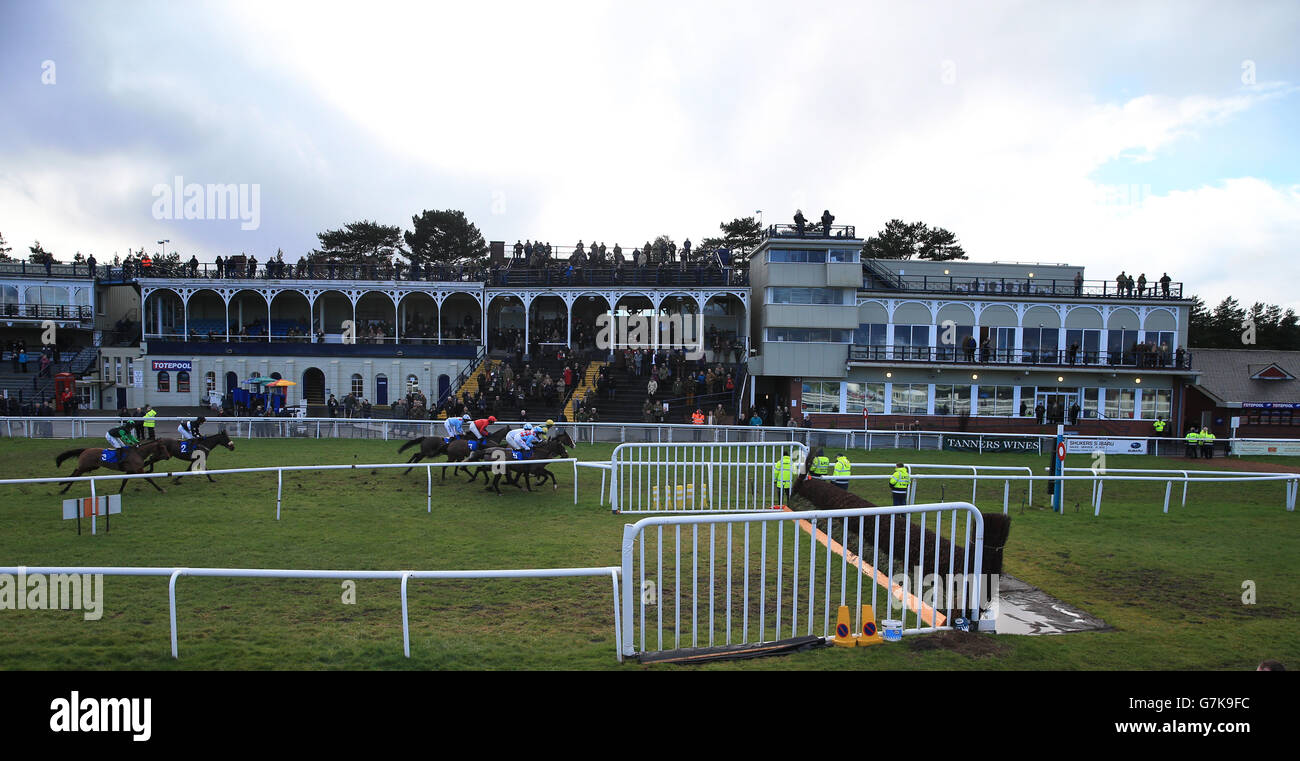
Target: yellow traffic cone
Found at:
870, 634
843, 633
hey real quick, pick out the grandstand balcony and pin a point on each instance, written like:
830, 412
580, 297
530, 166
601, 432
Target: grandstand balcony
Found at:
1024, 287
1016, 359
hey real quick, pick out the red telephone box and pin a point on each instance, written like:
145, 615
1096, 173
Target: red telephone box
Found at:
63, 384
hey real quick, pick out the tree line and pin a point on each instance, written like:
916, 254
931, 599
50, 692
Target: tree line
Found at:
1231, 326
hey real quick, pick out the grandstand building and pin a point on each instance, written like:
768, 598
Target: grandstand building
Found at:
829, 339
193, 337
957, 345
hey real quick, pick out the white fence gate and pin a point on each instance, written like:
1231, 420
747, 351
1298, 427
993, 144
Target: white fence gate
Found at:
694, 581
698, 477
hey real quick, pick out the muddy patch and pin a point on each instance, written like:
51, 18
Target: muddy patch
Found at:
969, 644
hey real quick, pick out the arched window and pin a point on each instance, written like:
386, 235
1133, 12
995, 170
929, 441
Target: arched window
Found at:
182, 382
164, 381
210, 381
358, 385
412, 383
277, 376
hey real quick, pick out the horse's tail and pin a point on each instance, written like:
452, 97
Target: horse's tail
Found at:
70, 453
412, 443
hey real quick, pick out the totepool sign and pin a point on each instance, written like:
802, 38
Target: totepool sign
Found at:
163, 365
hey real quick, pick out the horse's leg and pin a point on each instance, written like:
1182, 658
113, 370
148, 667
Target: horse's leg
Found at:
67, 486
151, 483
414, 458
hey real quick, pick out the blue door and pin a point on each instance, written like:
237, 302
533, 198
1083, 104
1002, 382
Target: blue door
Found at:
444, 383
381, 390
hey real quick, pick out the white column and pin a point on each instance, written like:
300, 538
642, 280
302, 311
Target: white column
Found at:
929, 402
974, 400
185, 314
439, 305
889, 398
268, 317
528, 307
227, 326
568, 322
397, 324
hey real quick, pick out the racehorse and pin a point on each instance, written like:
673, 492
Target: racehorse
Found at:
130, 461
169, 448
457, 450
552, 448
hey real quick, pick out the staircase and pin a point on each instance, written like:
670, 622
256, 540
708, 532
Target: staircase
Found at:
879, 277
588, 381
470, 386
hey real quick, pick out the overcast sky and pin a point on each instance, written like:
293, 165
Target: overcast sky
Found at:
1147, 137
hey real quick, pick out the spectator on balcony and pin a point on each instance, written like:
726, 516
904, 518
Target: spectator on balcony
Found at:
1129, 286
799, 222
827, 219
618, 256
1072, 353
968, 348
252, 266
1078, 284
90, 265
1040, 413
1164, 285
1142, 284
602, 258
579, 255
1120, 281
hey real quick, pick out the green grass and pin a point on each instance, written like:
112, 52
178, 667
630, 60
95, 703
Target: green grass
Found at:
1170, 585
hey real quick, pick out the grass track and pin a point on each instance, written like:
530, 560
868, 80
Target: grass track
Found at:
1171, 585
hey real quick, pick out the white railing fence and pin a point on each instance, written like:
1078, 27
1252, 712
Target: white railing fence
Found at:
280, 470
174, 574
609, 433
713, 477
712, 580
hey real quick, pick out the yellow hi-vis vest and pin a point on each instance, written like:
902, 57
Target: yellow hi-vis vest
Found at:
1193, 437
1207, 438
821, 465
149, 418
900, 480
842, 467
1159, 426
782, 473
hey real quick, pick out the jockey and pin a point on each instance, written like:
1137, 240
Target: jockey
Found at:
539, 433
521, 439
189, 429
122, 436
479, 428
455, 426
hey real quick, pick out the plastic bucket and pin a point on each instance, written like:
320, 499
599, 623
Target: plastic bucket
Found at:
891, 630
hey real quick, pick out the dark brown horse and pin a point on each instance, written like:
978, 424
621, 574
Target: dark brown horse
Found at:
457, 450
166, 449
504, 464
129, 461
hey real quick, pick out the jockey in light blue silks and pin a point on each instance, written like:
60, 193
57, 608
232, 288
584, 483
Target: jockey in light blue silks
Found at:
521, 439
455, 426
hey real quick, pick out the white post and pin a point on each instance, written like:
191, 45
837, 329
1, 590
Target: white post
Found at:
428, 489
279, 490
171, 605
406, 629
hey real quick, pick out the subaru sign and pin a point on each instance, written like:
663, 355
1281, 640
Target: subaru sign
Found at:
1084, 445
